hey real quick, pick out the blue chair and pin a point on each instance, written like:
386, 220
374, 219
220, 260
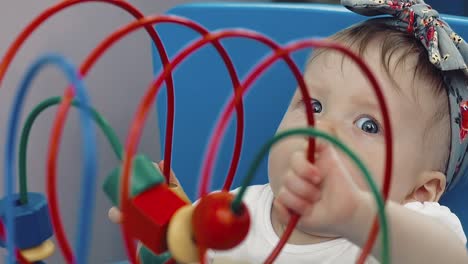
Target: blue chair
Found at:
202, 84
456, 7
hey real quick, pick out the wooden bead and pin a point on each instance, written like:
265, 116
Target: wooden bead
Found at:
179, 236
32, 220
40, 252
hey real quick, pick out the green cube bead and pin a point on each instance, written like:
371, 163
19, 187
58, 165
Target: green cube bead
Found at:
148, 257
144, 176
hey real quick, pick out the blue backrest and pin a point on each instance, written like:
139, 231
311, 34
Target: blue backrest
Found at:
203, 86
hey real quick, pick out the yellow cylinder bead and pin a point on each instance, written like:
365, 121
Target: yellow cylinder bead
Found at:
179, 236
40, 252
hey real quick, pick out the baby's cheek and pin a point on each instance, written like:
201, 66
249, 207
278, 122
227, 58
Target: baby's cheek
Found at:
357, 176
375, 168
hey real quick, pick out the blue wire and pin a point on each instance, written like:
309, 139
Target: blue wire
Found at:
89, 153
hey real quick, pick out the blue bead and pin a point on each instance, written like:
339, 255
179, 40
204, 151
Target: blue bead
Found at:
32, 221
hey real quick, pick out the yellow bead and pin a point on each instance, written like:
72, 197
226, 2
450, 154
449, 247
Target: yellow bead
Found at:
179, 236
40, 252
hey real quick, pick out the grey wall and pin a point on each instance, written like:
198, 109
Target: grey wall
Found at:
116, 85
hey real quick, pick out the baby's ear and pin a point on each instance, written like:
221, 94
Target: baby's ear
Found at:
429, 187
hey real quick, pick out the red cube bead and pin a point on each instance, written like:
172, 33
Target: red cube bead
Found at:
149, 214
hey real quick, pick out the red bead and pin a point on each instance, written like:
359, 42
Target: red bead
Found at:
149, 215
216, 225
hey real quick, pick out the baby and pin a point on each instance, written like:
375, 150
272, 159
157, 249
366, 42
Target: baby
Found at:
424, 88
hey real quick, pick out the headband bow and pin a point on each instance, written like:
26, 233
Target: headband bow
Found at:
447, 51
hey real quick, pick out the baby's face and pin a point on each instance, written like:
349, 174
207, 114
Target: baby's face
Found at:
346, 108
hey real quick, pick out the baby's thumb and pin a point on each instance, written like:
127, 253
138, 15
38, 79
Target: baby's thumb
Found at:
325, 152
321, 145
172, 177
174, 184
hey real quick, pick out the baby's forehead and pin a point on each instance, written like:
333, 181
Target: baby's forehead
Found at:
398, 68
375, 53
400, 81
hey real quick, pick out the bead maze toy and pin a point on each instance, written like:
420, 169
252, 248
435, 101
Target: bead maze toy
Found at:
155, 211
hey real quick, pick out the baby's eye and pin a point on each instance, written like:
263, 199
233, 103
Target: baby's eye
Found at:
316, 106
368, 125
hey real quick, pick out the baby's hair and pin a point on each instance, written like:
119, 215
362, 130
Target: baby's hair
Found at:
396, 48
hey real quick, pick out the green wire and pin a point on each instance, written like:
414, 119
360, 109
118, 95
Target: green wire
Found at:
99, 119
316, 133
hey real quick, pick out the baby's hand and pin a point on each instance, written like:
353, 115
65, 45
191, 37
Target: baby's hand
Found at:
323, 193
114, 213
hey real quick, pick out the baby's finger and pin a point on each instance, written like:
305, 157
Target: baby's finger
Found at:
293, 202
174, 184
304, 169
115, 215
302, 187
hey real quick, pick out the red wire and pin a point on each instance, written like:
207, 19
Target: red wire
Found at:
148, 99
19, 256
321, 44
366, 250
97, 53
56, 132
146, 103
310, 117
10, 54
111, 39
218, 134
52, 187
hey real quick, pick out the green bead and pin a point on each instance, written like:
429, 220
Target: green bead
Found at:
144, 176
148, 257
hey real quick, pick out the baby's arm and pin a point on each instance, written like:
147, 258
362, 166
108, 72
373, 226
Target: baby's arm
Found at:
329, 202
414, 237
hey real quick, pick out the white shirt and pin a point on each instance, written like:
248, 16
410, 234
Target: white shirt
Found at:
261, 239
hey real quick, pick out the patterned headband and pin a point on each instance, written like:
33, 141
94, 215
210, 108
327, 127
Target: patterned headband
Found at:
447, 51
